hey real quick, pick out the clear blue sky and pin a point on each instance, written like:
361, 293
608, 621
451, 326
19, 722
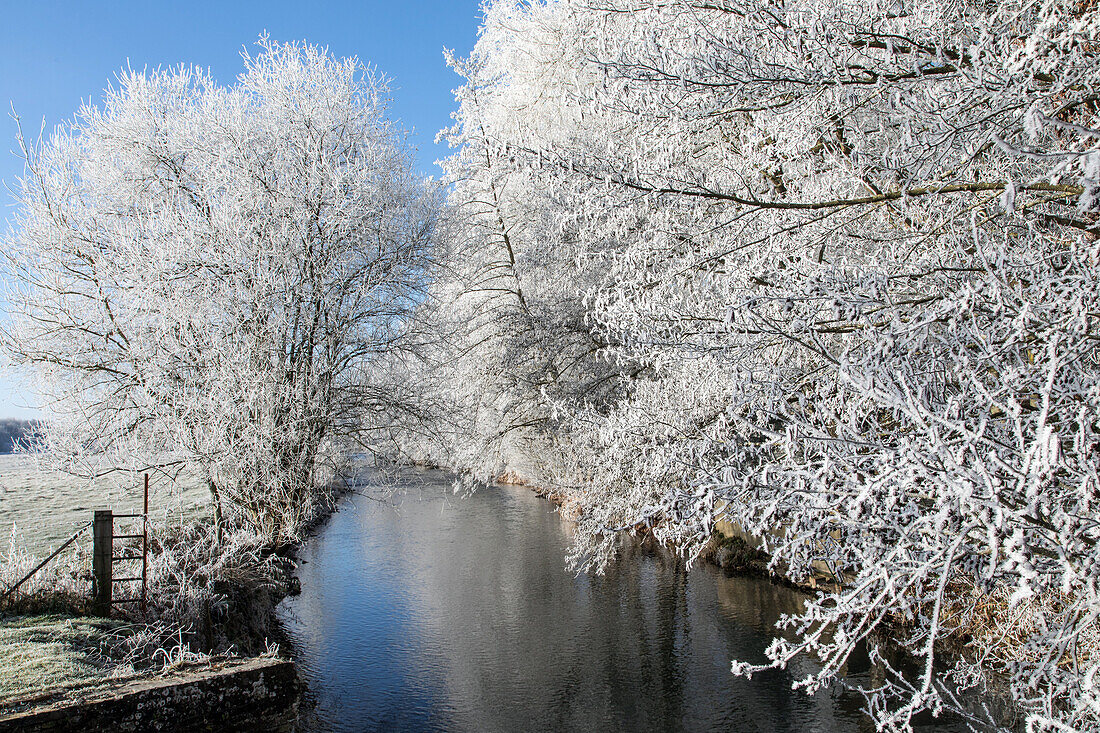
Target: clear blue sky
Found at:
55, 54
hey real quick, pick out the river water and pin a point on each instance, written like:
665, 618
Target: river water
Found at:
423, 611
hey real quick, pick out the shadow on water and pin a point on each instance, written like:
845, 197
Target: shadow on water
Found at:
430, 612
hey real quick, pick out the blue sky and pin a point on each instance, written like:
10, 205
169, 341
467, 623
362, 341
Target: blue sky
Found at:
55, 54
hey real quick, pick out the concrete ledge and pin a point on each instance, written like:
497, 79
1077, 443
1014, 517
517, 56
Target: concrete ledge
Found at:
251, 695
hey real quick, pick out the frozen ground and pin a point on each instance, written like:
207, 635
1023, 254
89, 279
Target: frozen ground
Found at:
44, 655
46, 507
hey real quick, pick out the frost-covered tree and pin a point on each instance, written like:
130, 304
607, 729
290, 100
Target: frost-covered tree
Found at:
212, 275
511, 297
850, 253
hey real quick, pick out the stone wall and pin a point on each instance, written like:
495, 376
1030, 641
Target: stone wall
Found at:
256, 694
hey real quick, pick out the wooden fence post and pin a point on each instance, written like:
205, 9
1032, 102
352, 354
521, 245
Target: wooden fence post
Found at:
102, 551
145, 550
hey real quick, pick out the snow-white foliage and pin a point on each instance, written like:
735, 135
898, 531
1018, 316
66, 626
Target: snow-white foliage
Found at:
210, 274
842, 260
517, 339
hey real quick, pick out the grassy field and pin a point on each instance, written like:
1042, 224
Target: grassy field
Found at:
46, 655
46, 507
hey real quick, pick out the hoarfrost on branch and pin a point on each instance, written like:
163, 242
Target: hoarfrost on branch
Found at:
827, 271
213, 276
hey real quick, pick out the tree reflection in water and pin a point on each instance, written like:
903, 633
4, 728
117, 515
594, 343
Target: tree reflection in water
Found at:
430, 612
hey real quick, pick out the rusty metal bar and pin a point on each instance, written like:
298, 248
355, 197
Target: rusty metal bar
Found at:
145, 548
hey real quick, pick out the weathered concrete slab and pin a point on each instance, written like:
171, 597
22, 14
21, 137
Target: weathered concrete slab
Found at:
255, 694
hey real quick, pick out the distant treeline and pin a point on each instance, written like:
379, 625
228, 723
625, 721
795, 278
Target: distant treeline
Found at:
14, 431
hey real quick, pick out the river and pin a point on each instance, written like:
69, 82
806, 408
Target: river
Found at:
423, 611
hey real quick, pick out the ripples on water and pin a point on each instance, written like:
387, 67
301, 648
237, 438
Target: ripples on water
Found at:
430, 612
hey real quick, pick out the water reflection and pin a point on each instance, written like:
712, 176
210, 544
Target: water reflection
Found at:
431, 612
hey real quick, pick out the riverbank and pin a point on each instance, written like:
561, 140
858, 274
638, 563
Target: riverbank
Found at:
212, 601
66, 663
739, 554
237, 695
730, 548
518, 560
